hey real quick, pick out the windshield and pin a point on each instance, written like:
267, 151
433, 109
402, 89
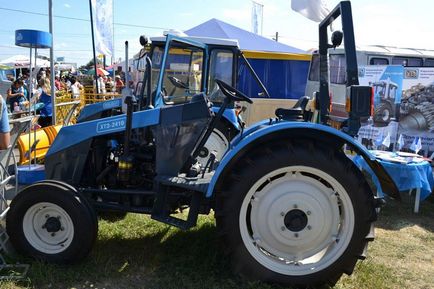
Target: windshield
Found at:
314, 68
392, 92
380, 88
182, 76
338, 69
221, 67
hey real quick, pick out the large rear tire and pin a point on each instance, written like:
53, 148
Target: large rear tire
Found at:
295, 214
383, 114
50, 222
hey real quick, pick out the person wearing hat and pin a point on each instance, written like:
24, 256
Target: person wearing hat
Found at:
119, 84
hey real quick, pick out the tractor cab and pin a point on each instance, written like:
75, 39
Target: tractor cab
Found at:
183, 67
384, 90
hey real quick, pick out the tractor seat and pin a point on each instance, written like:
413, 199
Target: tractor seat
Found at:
296, 113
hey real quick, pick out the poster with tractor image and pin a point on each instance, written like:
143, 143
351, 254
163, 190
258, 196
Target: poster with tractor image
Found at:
416, 115
380, 132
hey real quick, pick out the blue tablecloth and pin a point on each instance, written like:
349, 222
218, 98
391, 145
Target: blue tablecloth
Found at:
406, 176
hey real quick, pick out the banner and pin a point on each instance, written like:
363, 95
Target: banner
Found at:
380, 132
416, 120
315, 10
403, 108
103, 26
257, 15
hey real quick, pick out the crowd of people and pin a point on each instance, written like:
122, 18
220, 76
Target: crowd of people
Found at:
19, 97
106, 84
22, 94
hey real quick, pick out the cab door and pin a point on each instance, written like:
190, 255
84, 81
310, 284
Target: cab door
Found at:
182, 70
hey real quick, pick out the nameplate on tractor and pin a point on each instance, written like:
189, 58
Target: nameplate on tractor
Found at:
111, 125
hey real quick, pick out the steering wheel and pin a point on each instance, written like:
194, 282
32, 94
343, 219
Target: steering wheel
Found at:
178, 83
232, 93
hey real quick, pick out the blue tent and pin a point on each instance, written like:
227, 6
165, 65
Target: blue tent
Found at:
282, 68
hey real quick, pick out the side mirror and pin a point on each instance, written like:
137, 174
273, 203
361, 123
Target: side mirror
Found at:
143, 40
336, 38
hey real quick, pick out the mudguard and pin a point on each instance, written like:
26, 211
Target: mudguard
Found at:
268, 128
89, 111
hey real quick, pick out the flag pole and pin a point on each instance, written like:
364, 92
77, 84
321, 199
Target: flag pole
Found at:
262, 18
113, 59
93, 46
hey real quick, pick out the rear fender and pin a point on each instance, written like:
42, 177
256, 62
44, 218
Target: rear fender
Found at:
268, 131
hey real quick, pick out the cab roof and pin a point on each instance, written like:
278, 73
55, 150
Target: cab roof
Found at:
205, 40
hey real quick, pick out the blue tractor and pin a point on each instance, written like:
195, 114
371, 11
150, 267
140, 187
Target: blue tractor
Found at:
182, 80
290, 206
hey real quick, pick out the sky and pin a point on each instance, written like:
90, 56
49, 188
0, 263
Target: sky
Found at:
401, 23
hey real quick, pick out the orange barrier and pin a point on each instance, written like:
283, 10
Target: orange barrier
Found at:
41, 146
52, 132
45, 136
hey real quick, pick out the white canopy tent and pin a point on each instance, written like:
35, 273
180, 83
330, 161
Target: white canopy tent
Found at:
21, 61
64, 66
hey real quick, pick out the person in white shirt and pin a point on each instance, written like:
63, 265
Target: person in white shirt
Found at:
101, 85
75, 87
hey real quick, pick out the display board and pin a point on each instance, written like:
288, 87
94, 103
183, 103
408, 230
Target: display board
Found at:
403, 108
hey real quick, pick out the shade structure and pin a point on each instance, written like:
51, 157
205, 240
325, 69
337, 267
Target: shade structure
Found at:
33, 38
247, 40
21, 61
5, 67
100, 71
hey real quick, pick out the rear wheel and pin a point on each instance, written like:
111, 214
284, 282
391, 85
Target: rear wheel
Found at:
294, 215
48, 221
383, 113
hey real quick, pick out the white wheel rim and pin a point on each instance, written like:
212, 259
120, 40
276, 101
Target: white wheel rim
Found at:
386, 114
42, 237
313, 246
218, 143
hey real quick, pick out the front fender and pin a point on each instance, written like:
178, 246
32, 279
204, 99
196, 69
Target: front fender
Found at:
270, 130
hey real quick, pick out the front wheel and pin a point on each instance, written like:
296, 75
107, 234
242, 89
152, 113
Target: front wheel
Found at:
295, 214
52, 223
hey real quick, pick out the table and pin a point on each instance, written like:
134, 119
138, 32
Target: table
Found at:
407, 177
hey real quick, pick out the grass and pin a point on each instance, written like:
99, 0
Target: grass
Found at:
137, 252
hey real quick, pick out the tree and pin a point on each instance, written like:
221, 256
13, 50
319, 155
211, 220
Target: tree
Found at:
89, 65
